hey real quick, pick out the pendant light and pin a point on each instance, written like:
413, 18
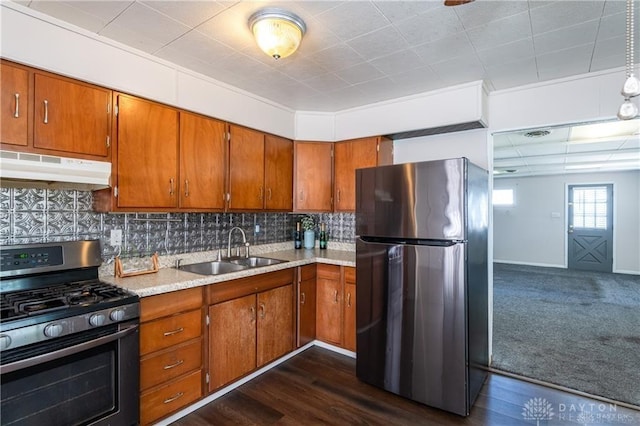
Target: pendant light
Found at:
277, 31
631, 87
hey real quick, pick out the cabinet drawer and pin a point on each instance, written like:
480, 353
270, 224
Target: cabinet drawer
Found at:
307, 272
244, 286
349, 274
330, 272
153, 307
169, 364
169, 398
165, 332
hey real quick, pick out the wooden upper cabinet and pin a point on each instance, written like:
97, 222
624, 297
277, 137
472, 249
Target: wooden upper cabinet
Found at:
349, 156
202, 162
246, 169
71, 116
278, 173
14, 107
147, 164
313, 171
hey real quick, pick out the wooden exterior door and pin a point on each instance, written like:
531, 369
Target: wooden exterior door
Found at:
329, 304
202, 165
349, 156
350, 309
71, 117
232, 337
246, 169
590, 227
275, 324
306, 305
313, 163
278, 173
147, 154
14, 111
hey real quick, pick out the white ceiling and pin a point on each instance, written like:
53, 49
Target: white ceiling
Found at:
360, 52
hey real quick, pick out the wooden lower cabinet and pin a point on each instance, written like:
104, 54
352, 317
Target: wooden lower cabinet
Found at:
306, 315
171, 353
336, 305
275, 334
349, 328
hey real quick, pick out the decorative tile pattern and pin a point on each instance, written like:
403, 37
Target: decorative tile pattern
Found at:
32, 215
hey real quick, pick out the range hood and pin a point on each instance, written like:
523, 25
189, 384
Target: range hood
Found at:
18, 168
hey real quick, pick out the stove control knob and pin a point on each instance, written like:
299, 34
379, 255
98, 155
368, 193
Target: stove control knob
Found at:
117, 315
53, 330
5, 341
96, 320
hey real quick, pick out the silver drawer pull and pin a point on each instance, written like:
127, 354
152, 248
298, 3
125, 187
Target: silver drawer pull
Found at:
172, 332
173, 398
303, 298
169, 367
46, 111
16, 114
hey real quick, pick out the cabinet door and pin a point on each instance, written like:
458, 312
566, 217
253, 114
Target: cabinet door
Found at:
232, 340
147, 154
278, 173
275, 324
313, 164
202, 165
71, 117
246, 169
14, 113
349, 156
329, 304
350, 309
306, 305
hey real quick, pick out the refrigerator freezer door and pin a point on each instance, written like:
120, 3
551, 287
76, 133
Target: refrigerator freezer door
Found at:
411, 322
418, 200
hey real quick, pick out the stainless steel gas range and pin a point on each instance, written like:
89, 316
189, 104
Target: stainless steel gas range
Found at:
69, 343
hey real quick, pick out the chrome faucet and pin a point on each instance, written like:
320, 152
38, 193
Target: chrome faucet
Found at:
244, 241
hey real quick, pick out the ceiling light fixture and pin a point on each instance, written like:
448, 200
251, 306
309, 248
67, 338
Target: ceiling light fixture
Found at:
631, 88
277, 31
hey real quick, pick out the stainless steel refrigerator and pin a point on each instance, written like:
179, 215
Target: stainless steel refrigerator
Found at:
422, 281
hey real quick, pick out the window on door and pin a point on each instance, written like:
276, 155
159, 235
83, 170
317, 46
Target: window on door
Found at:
590, 207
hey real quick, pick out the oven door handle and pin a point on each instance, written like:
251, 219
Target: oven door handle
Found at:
29, 362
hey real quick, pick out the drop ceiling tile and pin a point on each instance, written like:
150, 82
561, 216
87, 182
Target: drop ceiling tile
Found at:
503, 153
302, 68
90, 15
197, 45
433, 25
445, 48
587, 158
229, 28
378, 43
512, 74
337, 57
417, 80
506, 53
314, 8
614, 26
626, 156
316, 38
632, 143
501, 140
396, 11
398, 62
144, 28
459, 70
566, 37
481, 13
502, 31
544, 161
542, 149
191, 13
567, 62
562, 14
359, 73
594, 146
352, 19
326, 82
508, 163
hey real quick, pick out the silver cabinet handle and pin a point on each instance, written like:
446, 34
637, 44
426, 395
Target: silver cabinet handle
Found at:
46, 111
173, 398
253, 313
169, 367
16, 113
301, 195
269, 192
262, 310
338, 196
349, 300
335, 297
171, 191
172, 332
303, 298
186, 187
261, 193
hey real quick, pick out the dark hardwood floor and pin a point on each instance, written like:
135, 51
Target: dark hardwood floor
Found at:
319, 386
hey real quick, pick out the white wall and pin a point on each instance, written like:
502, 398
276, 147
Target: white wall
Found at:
531, 233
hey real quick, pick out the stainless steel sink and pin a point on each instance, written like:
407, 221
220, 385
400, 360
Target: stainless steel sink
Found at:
254, 261
213, 268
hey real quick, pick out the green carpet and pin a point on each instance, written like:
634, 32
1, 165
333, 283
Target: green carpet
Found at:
576, 329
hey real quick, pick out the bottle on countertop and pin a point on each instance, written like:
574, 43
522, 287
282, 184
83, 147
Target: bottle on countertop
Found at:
323, 237
297, 237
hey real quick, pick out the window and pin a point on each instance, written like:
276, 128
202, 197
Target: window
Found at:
590, 207
503, 197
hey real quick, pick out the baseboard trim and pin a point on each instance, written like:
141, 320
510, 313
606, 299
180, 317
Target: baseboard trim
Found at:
516, 262
563, 388
624, 271
199, 404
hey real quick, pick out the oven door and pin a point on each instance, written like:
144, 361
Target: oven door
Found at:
86, 379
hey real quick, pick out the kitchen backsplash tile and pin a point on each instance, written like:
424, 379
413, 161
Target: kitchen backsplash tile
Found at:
34, 215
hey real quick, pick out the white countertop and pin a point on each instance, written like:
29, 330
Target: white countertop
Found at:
169, 279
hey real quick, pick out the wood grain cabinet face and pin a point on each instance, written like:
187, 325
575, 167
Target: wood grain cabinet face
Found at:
313, 171
306, 315
202, 162
170, 397
147, 164
14, 107
246, 169
275, 316
71, 117
349, 309
329, 305
278, 173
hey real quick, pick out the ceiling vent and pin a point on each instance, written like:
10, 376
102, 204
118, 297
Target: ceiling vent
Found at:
537, 133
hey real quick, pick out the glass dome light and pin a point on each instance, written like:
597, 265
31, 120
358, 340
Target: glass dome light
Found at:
277, 31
